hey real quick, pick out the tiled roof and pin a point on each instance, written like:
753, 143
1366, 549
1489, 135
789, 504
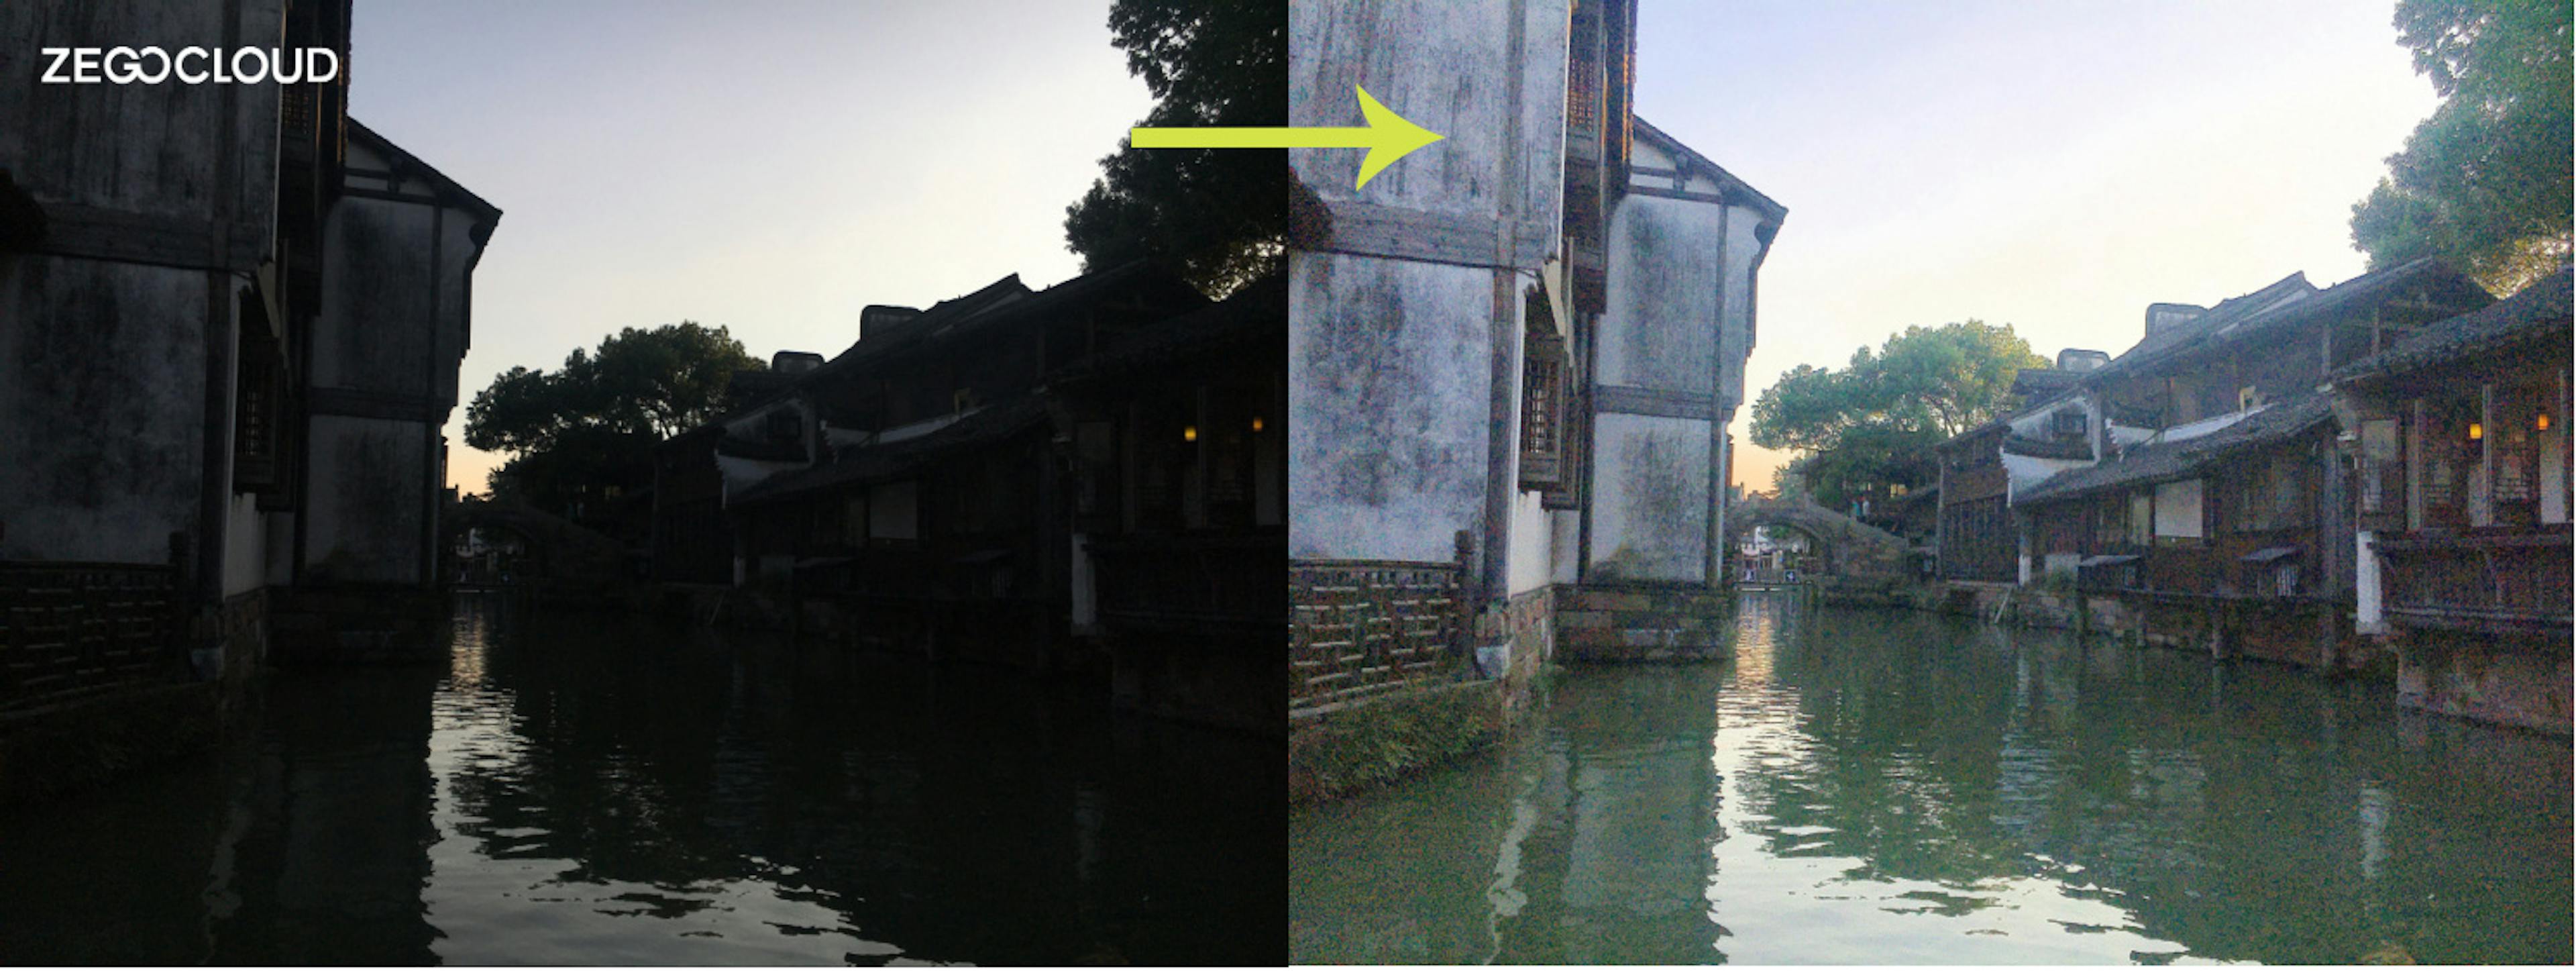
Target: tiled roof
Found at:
879, 462
2166, 461
2263, 313
2046, 448
2172, 340
2039, 382
1257, 311
2536, 313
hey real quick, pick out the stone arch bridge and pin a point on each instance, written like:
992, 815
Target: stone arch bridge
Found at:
558, 556
1848, 548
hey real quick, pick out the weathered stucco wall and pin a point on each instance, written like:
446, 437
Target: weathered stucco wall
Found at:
1389, 423
1650, 487
1735, 316
375, 325
102, 382
1678, 300
103, 365
365, 521
155, 149
1660, 328
1454, 69
386, 343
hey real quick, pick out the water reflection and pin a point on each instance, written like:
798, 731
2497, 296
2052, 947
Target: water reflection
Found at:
590, 790
1867, 787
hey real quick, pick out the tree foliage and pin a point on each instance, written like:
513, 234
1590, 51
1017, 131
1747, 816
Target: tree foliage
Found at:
1875, 422
594, 421
1217, 215
2483, 182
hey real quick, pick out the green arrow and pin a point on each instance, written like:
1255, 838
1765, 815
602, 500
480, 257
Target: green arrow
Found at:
1387, 136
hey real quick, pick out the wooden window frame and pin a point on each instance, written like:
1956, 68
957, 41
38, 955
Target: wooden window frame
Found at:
1543, 412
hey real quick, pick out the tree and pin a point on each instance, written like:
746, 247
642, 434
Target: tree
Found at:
1875, 422
2483, 182
594, 422
1219, 216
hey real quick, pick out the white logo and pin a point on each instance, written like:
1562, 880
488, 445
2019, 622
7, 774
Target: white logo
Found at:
191, 65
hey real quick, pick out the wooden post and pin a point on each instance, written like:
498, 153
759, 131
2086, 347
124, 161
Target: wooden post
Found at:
1462, 603
2482, 502
2415, 465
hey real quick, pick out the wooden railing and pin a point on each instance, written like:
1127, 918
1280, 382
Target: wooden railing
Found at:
1367, 627
1210, 584
2516, 583
71, 630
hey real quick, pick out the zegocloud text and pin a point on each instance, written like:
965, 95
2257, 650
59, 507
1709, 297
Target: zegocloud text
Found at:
190, 65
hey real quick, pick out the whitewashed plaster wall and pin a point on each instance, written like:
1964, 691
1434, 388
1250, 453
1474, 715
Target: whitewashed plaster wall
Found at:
1650, 498
1735, 334
1393, 335
391, 327
365, 520
1652, 475
1660, 327
1389, 417
114, 353
1450, 68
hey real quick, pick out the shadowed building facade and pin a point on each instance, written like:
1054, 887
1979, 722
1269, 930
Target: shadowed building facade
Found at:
230, 324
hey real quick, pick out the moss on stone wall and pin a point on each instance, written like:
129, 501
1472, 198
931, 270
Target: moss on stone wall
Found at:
1391, 738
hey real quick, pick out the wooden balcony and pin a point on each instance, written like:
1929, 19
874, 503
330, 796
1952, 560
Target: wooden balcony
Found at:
2514, 583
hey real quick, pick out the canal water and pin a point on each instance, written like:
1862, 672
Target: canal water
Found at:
1891, 787
594, 789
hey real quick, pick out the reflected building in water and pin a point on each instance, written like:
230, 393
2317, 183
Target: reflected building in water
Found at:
573, 793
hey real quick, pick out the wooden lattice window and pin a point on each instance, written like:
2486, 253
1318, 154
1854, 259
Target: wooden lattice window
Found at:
255, 416
1583, 74
1620, 48
1542, 411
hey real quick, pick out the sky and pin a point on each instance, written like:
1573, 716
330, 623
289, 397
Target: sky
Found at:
775, 167
769, 167
2055, 166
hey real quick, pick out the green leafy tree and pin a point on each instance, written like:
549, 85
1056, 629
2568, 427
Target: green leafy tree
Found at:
2483, 182
1875, 422
1218, 215
592, 424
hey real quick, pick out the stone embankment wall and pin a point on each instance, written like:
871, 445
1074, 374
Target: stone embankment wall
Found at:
2497, 680
2311, 634
1389, 737
1610, 625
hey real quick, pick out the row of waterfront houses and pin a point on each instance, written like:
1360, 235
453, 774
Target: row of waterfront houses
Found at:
2370, 475
1090, 473
230, 324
